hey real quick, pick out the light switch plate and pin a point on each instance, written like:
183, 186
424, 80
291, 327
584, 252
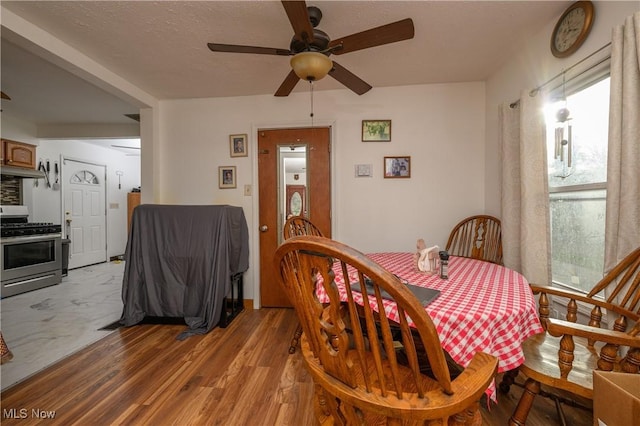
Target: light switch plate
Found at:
364, 170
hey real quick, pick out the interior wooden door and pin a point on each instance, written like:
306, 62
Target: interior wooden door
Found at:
271, 190
296, 200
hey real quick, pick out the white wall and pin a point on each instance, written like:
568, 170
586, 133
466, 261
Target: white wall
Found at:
533, 66
18, 130
440, 126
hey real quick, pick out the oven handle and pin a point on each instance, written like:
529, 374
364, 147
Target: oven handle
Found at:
30, 238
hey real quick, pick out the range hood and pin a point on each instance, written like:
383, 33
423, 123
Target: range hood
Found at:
21, 172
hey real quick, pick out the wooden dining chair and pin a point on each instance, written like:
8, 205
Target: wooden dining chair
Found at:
294, 226
299, 225
5, 354
477, 237
364, 372
565, 356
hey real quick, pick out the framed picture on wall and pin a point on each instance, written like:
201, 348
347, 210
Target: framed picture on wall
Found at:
238, 145
397, 167
227, 176
376, 130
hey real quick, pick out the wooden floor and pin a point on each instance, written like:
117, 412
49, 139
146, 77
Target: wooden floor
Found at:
241, 375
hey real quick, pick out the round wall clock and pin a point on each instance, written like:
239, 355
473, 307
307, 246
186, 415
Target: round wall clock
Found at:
572, 29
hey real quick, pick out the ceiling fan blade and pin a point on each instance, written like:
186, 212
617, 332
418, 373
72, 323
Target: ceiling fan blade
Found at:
234, 48
349, 79
5, 96
288, 84
299, 18
390, 33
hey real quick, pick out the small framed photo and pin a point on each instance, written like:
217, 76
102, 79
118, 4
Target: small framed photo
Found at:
397, 167
376, 130
227, 176
238, 145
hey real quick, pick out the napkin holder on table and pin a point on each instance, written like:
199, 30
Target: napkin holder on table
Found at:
427, 259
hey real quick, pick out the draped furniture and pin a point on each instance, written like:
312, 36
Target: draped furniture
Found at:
298, 225
477, 237
567, 354
364, 373
181, 262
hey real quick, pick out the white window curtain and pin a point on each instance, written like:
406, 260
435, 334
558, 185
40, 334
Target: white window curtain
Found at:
622, 226
525, 192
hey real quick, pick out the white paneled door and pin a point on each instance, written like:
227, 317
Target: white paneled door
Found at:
85, 212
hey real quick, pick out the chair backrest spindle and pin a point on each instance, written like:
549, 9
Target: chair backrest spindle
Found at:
299, 225
627, 275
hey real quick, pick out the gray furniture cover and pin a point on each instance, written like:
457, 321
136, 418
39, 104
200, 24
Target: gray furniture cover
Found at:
179, 263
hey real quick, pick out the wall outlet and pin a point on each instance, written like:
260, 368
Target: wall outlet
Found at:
247, 190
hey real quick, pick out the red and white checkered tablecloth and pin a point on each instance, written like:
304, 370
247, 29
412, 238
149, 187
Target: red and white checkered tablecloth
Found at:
482, 307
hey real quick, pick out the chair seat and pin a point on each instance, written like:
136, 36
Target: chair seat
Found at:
541, 364
434, 405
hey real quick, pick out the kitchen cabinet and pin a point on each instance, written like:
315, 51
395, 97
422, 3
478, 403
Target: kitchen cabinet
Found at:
133, 200
18, 154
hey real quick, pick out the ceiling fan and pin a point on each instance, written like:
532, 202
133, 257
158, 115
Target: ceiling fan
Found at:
311, 47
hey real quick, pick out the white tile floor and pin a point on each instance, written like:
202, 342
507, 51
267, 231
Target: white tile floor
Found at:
46, 325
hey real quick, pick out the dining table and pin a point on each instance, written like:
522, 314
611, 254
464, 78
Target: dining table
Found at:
482, 307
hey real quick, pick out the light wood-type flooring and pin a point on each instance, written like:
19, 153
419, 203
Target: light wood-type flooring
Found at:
241, 375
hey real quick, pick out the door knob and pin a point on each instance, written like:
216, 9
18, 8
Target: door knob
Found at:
264, 228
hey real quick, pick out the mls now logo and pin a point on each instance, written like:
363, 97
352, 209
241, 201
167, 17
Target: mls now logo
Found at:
23, 413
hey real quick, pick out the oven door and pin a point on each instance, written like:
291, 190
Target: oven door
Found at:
30, 255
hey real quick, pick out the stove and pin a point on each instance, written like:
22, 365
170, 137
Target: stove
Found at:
14, 222
30, 252
29, 228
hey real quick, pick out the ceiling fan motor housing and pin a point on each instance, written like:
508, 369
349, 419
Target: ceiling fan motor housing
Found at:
320, 42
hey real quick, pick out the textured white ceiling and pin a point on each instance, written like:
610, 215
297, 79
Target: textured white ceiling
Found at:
161, 47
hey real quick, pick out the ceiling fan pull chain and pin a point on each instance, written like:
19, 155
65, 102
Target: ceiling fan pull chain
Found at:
311, 115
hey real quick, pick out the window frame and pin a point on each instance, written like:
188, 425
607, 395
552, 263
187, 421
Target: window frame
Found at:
553, 96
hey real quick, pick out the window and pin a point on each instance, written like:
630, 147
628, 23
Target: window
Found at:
577, 168
85, 177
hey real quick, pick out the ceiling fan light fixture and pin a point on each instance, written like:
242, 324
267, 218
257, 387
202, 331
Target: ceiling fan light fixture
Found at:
311, 66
